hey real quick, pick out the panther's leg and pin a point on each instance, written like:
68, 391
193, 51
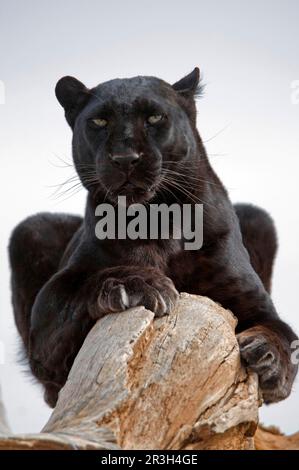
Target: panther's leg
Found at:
260, 343
239, 279
259, 238
35, 250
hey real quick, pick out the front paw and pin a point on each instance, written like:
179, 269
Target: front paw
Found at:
155, 293
266, 357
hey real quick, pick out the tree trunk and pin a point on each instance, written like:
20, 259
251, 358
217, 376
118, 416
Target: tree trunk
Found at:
171, 383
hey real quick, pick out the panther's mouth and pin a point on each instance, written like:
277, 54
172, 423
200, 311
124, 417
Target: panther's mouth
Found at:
134, 192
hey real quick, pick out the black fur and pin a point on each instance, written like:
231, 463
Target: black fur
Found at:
64, 278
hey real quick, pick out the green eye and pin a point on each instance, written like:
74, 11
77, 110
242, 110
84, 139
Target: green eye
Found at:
100, 122
155, 118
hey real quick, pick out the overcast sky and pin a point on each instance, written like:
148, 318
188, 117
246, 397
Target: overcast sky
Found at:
248, 52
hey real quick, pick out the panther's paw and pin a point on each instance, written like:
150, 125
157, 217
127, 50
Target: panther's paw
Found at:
262, 355
155, 293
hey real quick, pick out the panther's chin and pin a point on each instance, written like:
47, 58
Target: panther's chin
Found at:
132, 197
130, 193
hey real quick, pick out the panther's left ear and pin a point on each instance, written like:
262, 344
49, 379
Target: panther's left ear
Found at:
72, 95
189, 86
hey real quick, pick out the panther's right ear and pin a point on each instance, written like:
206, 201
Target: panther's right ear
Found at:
72, 95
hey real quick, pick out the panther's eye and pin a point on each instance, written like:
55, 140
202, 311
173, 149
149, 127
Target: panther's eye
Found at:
100, 122
154, 119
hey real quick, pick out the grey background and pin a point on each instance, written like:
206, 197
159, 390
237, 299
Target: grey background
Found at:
248, 52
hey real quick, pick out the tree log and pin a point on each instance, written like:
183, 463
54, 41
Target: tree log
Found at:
171, 383
270, 438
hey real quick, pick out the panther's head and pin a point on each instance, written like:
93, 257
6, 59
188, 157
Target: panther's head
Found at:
134, 137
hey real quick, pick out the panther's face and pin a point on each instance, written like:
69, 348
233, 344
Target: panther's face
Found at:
131, 136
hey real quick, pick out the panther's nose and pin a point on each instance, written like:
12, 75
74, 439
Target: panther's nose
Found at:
125, 162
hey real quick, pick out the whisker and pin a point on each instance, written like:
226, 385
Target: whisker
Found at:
107, 192
66, 191
217, 133
70, 195
192, 177
186, 192
59, 185
165, 188
177, 186
65, 164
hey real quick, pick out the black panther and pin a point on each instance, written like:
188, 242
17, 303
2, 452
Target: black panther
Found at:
137, 137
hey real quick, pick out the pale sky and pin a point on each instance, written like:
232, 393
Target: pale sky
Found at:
248, 52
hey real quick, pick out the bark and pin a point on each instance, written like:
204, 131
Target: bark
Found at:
272, 439
169, 383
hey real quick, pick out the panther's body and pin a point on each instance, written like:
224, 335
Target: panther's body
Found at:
137, 137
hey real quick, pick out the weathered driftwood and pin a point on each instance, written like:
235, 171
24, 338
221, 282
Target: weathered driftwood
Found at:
169, 383
272, 439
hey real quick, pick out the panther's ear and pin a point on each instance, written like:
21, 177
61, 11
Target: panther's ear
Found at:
189, 85
72, 95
